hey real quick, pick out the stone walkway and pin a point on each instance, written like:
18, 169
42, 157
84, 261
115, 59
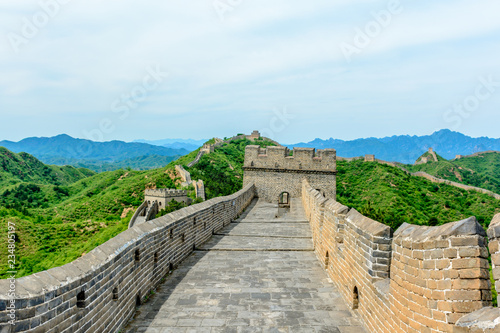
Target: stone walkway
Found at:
259, 274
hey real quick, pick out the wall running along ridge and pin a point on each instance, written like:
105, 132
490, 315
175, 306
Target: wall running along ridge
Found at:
459, 185
417, 279
371, 158
99, 291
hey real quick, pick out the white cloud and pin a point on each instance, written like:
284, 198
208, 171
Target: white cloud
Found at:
263, 55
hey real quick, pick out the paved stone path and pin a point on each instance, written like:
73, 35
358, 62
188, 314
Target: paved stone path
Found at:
259, 274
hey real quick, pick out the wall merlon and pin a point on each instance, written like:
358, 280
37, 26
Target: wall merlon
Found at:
274, 152
494, 228
483, 320
304, 154
415, 233
336, 207
368, 225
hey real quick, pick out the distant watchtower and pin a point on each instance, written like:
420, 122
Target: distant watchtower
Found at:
278, 176
163, 196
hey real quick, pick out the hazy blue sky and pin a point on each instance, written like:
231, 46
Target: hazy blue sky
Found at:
295, 70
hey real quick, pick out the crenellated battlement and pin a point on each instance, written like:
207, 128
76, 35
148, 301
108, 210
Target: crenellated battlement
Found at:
164, 193
303, 159
416, 279
276, 170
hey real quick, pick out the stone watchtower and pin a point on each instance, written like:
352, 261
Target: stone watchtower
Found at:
278, 175
163, 196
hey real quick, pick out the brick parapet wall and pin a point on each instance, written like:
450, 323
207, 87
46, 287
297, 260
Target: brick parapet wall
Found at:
494, 247
486, 320
421, 279
439, 274
134, 262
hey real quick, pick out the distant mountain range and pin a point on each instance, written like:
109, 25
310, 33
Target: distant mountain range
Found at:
143, 154
188, 144
405, 148
65, 150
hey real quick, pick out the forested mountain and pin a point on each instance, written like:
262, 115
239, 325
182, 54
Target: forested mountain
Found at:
23, 167
65, 150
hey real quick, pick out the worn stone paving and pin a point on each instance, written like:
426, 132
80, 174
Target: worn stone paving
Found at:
286, 230
223, 288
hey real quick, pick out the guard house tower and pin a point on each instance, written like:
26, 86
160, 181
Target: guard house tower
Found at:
278, 175
163, 196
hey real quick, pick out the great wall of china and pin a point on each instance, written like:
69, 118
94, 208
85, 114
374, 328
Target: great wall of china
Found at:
99, 292
156, 200
414, 279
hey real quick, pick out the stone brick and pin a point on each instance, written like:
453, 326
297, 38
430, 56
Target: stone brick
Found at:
463, 295
473, 273
495, 259
469, 263
468, 241
493, 246
466, 307
451, 253
472, 284
442, 263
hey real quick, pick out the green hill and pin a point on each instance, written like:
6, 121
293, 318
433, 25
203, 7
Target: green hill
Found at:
22, 167
56, 223
482, 170
391, 196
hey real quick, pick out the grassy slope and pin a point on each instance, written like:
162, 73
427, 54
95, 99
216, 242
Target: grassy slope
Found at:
480, 171
391, 196
56, 224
